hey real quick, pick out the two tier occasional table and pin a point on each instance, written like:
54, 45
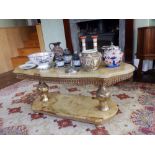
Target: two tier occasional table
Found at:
76, 107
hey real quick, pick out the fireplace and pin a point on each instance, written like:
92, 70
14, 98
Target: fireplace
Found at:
107, 30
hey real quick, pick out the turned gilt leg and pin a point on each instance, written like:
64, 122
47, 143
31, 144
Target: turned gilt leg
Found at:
103, 97
43, 90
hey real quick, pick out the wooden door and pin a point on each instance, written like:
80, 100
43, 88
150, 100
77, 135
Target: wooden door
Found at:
68, 34
128, 51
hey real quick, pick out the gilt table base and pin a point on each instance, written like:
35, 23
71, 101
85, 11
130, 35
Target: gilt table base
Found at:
81, 108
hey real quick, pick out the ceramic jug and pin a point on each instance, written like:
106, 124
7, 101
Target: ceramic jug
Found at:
58, 51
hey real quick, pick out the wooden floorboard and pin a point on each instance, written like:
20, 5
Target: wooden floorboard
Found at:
7, 79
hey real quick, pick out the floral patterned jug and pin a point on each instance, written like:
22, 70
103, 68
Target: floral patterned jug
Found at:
58, 51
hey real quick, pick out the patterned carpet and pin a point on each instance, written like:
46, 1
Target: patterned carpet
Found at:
136, 113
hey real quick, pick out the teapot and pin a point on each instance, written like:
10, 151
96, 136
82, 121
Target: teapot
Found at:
113, 56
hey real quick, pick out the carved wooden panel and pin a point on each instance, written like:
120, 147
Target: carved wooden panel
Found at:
146, 43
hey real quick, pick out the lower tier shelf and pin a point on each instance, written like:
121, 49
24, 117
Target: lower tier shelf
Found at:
75, 107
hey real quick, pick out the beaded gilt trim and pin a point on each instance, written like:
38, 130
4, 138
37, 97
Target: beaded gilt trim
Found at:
79, 81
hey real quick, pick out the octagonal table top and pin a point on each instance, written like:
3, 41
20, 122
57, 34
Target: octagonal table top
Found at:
102, 72
124, 71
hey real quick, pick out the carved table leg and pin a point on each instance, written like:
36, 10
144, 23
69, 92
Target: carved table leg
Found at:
139, 71
43, 91
104, 98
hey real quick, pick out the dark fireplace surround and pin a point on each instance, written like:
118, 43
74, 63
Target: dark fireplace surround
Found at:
107, 30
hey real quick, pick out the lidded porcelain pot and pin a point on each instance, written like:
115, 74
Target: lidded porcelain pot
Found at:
113, 56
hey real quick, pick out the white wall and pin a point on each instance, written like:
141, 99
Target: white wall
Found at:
12, 22
152, 22
53, 31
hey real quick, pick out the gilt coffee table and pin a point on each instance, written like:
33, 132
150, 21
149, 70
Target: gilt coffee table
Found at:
95, 110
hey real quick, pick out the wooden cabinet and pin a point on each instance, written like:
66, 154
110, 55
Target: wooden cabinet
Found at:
145, 45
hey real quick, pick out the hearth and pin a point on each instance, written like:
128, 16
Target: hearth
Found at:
107, 30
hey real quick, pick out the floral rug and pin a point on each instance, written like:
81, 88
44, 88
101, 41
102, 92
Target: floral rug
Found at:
136, 113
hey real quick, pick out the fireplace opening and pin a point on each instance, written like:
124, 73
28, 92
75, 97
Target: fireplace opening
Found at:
107, 31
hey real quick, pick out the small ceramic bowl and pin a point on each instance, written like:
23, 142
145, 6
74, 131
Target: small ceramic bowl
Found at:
42, 59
